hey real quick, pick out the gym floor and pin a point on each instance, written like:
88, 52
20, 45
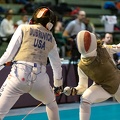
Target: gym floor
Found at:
102, 111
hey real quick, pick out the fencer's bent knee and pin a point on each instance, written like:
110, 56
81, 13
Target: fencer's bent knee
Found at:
85, 100
53, 104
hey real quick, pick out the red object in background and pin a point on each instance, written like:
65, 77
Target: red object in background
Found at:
116, 28
15, 26
118, 5
8, 63
75, 11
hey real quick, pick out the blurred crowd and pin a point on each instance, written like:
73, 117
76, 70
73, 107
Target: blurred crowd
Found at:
65, 30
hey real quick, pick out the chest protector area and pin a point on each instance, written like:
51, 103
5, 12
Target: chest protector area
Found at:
36, 44
101, 70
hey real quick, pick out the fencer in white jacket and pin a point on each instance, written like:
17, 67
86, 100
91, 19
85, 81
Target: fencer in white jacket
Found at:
28, 50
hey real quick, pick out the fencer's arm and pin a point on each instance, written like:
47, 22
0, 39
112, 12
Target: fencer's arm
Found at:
6, 29
56, 66
13, 47
68, 30
83, 82
113, 48
82, 85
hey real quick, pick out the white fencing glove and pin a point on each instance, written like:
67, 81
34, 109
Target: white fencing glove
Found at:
74, 90
69, 91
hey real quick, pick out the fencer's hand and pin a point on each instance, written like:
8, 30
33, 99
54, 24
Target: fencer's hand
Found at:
69, 91
58, 90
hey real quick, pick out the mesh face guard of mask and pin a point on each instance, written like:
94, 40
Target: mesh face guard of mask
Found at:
86, 42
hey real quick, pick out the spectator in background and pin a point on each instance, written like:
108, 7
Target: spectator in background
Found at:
59, 26
78, 24
89, 25
61, 42
24, 20
70, 32
7, 26
108, 40
75, 26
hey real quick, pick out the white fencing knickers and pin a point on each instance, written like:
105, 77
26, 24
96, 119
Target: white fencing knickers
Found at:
94, 94
28, 78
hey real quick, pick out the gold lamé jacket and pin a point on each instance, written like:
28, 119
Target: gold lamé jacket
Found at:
101, 70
